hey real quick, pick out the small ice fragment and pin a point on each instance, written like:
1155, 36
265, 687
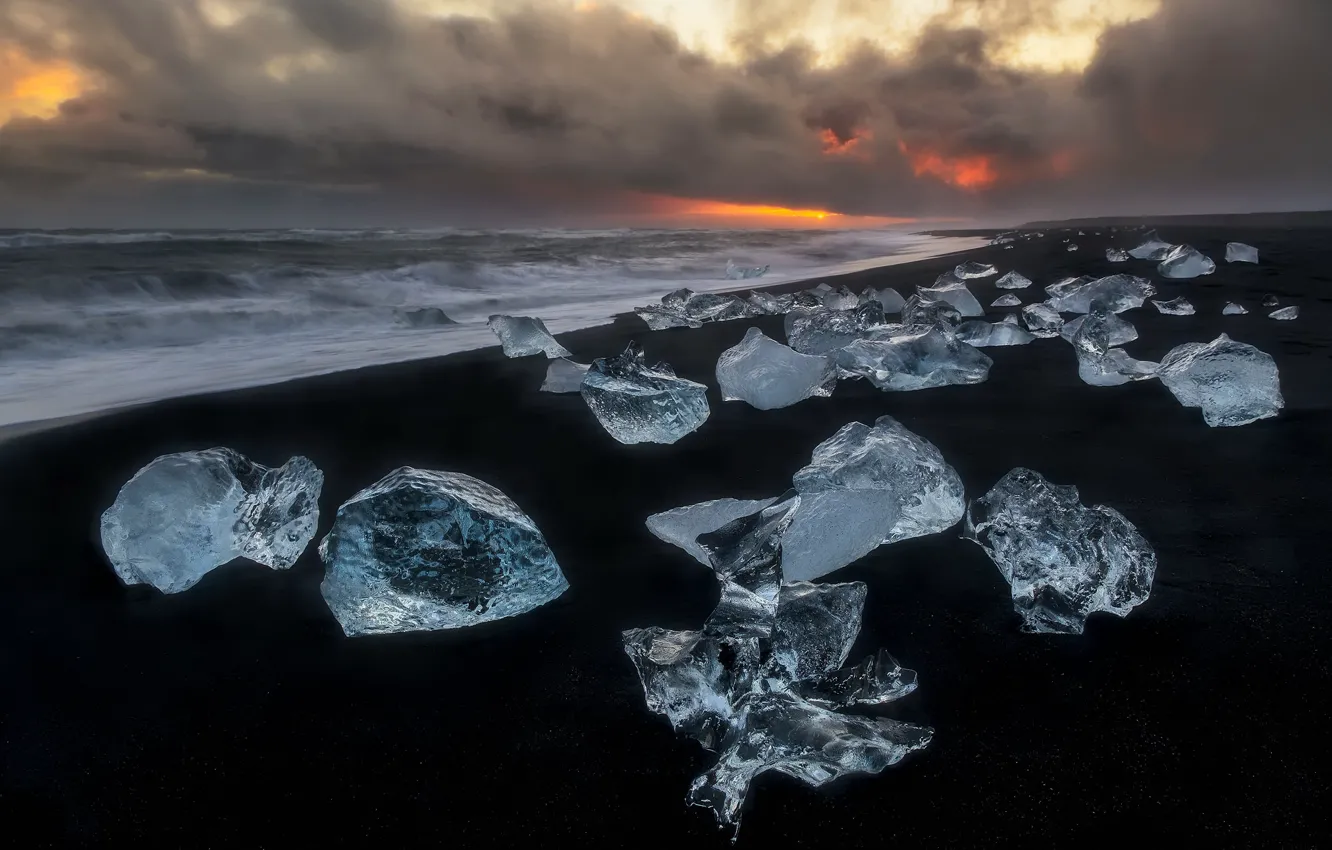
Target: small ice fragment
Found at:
523, 336
974, 271
1117, 330
768, 375
769, 304
1115, 255
891, 300
1099, 364
734, 272
423, 317
1175, 307
1008, 300
1116, 293
1063, 561
1270, 301
682, 526
1285, 314
1238, 252
955, 294
913, 357
1152, 248
1184, 262
717, 307
1232, 382
422, 550
1042, 320
185, 514
924, 312
1013, 280
564, 376
661, 318
637, 403
826, 331
821, 289
1072, 247
841, 299
983, 334
1233, 309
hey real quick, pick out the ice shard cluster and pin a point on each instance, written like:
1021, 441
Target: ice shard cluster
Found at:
1116, 255
826, 331
1100, 364
1116, 293
1063, 561
523, 336
953, 293
1234, 383
904, 358
637, 403
763, 682
1042, 320
422, 550
687, 308
841, 299
1117, 331
185, 514
768, 375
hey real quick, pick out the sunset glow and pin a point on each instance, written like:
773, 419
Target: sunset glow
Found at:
972, 173
712, 213
35, 90
852, 147
722, 208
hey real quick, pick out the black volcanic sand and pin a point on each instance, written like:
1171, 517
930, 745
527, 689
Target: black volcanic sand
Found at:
236, 714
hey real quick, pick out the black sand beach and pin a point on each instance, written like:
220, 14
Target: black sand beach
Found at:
237, 715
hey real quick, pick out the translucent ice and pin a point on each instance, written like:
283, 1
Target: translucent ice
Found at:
768, 375
955, 294
926, 313
1117, 331
1270, 301
637, 403
1115, 255
564, 376
1175, 307
661, 318
734, 272
1042, 320
1233, 309
983, 334
1072, 247
826, 331
1062, 560
682, 526
1009, 300
1152, 248
1285, 314
841, 299
1013, 280
523, 336
877, 680
1238, 252
1117, 293
914, 357
1099, 364
185, 514
716, 307
769, 304
1232, 382
973, 271
1184, 262
891, 300
421, 550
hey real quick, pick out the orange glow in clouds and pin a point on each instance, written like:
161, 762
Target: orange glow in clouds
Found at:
722, 208
834, 146
35, 90
965, 172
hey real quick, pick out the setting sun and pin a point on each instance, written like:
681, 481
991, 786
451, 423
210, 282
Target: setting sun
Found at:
35, 90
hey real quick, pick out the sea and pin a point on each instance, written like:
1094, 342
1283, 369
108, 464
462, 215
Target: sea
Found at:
94, 320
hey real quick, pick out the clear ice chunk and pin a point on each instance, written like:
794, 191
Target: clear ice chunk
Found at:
1072, 247
1233, 309
1013, 280
682, 526
717, 307
955, 294
1152, 248
1062, 560
1101, 365
523, 336
841, 299
1117, 330
926, 313
1116, 293
1234, 383
1270, 301
875, 681
982, 334
564, 376
1175, 306
1009, 300
1238, 252
661, 318
1042, 320
913, 357
1285, 314
185, 514
769, 304
637, 403
1115, 255
734, 272
1184, 262
767, 375
421, 550
814, 629
826, 331
890, 299
974, 271
685, 680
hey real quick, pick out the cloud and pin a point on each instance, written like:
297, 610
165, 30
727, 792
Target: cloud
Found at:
540, 108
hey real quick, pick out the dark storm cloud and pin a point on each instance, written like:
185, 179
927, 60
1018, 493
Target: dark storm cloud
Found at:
546, 108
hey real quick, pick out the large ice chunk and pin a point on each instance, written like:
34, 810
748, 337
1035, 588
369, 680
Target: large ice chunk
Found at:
1232, 382
1233, 309
1117, 293
768, 375
1115, 255
1063, 561
421, 550
1013, 280
185, 514
927, 313
734, 272
955, 294
1008, 300
637, 403
913, 357
982, 334
1175, 306
523, 336
1184, 262
890, 299
826, 331
682, 526
1099, 364
564, 376
1285, 314
1152, 248
1238, 252
1042, 320
973, 271
1117, 330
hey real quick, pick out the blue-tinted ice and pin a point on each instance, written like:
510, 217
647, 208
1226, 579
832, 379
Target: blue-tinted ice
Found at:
637, 403
523, 336
768, 375
1234, 383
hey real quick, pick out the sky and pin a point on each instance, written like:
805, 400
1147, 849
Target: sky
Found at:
354, 113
